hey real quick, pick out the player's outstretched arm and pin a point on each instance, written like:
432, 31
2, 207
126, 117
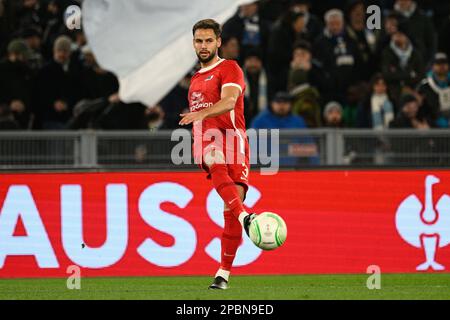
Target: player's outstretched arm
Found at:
229, 97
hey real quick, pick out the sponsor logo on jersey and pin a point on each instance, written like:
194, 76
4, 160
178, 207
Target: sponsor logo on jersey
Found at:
198, 101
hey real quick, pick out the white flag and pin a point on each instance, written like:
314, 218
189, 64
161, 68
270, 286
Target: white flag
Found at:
148, 43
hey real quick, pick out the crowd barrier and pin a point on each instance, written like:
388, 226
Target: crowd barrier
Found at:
152, 150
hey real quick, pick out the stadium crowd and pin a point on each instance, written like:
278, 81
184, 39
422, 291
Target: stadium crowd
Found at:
306, 64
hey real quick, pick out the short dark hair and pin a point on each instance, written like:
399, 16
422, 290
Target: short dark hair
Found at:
394, 15
407, 98
377, 77
253, 52
208, 24
303, 44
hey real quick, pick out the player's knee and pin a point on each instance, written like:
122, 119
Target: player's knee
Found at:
214, 157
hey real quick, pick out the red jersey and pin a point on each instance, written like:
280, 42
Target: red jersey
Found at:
205, 91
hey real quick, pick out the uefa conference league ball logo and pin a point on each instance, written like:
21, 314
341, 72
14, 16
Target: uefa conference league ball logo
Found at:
426, 227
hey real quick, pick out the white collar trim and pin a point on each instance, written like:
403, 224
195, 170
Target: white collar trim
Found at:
203, 70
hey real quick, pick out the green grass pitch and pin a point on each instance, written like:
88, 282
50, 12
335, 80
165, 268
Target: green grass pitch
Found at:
299, 287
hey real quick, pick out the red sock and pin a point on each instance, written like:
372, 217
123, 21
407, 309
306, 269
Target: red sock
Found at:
231, 239
226, 188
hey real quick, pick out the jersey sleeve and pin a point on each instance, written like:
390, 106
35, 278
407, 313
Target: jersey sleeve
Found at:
232, 75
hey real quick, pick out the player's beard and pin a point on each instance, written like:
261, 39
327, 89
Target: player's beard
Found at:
207, 59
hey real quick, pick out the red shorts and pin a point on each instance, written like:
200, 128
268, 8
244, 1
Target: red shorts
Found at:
236, 158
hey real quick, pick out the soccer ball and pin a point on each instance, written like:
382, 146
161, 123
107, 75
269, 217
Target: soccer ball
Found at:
268, 231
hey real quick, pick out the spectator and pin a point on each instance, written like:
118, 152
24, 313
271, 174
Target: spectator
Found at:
141, 154
376, 110
58, 87
279, 116
407, 150
401, 65
80, 39
307, 80
249, 29
338, 54
305, 69
16, 83
408, 116
98, 88
95, 81
285, 33
230, 48
28, 14
391, 26
272, 10
54, 26
420, 26
256, 94
314, 26
322, 6
354, 95
7, 121
78, 44
32, 37
366, 39
437, 10
435, 90
411, 91
332, 115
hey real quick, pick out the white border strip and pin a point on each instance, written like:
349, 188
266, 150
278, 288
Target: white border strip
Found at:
232, 85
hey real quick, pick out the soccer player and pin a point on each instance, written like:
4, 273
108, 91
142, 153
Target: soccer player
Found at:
216, 100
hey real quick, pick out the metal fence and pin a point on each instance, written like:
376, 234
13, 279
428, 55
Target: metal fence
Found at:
152, 150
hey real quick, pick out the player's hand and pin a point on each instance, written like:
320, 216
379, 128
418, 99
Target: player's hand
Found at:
188, 118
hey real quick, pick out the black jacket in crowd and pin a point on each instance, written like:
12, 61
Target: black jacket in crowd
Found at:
316, 77
421, 31
98, 84
235, 27
430, 108
396, 77
279, 55
342, 60
53, 84
16, 80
